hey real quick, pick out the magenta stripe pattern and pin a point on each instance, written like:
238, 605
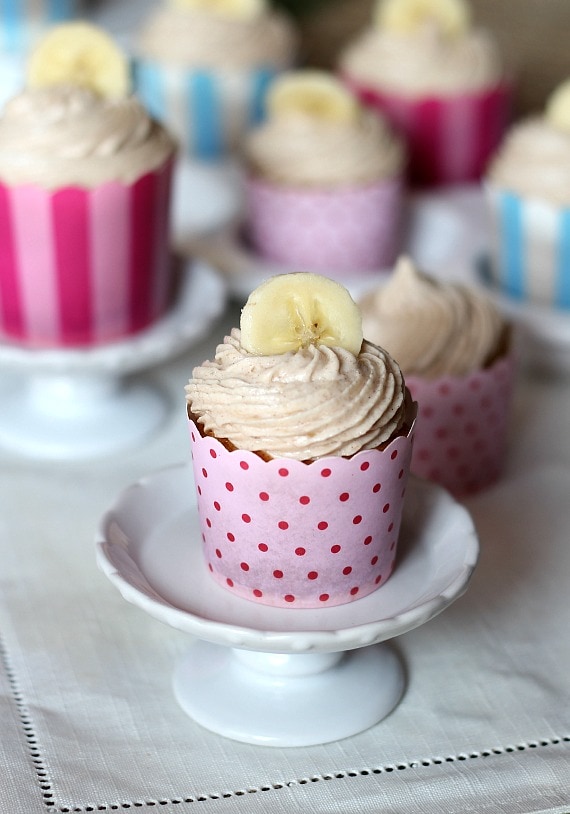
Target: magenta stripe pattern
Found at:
79, 267
449, 139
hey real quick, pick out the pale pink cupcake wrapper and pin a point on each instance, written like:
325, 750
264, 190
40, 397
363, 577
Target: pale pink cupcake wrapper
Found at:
347, 229
290, 534
450, 139
461, 431
84, 266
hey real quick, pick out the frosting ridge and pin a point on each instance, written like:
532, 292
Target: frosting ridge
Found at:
305, 150
425, 61
534, 160
69, 135
191, 37
432, 328
306, 404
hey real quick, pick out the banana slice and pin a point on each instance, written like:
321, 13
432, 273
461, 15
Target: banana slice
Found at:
80, 53
558, 107
312, 93
292, 311
452, 17
242, 9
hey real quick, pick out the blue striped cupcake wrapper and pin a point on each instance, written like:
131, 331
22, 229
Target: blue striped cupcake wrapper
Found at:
209, 112
21, 21
531, 251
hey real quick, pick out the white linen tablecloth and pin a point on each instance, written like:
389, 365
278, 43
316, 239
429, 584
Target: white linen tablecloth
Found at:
89, 721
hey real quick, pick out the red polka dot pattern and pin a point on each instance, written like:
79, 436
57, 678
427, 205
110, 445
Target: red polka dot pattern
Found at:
265, 534
351, 229
460, 439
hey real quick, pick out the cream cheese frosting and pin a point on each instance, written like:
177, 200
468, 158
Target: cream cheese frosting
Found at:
306, 404
432, 328
534, 161
69, 135
304, 150
195, 38
424, 61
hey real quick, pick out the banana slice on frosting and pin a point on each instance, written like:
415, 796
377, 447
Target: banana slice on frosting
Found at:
292, 311
558, 107
311, 93
452, 17
79, 53
242, 9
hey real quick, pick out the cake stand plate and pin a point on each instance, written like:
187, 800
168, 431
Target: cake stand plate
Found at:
207, 197
282, 676
543, 332
229, 252
76, 403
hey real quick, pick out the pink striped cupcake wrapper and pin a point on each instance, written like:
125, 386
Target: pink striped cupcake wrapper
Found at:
344, 230
461, 429
290, 534
80, 266
450, 139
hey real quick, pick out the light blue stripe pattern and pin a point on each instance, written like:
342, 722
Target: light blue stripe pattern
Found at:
261, 80
12, 24
149, 86
204, 110
512, 245
562, 293
61, 10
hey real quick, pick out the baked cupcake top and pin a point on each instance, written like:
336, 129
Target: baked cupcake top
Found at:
432, 328
317, 134
534, 158
423, 47
76, 122
319, 398
213, 34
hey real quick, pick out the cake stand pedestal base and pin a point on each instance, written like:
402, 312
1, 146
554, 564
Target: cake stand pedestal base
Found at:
70, 403
274, 699
75, 416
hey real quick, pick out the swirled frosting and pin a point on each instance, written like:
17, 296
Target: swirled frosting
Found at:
432, 328
534, 160
423, 62
68, 135
195, 38
304, 150
306, 404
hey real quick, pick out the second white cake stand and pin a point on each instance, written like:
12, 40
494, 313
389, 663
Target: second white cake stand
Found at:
70, 404
281, 676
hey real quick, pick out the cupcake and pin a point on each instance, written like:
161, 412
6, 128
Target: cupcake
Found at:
84, 199
301, 442
203, 67
528, 186
23, 22
439, 80
324, 180
454, 349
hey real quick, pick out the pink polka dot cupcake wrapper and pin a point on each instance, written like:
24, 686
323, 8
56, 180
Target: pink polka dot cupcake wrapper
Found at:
346, 230
450, 139
78, 266
461, 429
289, 534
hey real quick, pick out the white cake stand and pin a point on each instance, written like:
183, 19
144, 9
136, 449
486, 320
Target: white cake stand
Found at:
207, 197
543, 333
76, 403
228, 251
281, 676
